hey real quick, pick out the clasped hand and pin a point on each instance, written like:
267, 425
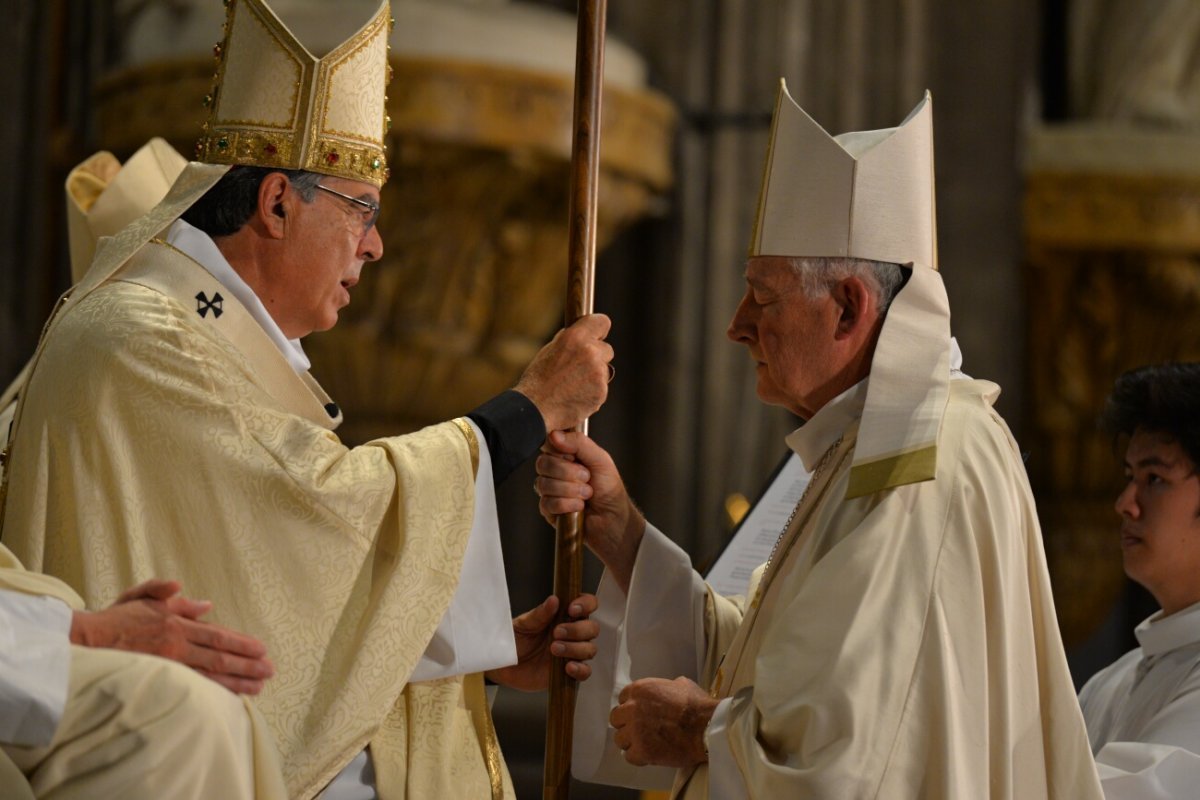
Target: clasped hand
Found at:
662, 722
154, 618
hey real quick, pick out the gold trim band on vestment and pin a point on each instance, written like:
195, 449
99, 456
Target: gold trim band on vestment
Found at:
898, 470
481, 715
472, 441
303, 141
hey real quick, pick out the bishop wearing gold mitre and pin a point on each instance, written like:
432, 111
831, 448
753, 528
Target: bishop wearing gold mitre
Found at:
170, 427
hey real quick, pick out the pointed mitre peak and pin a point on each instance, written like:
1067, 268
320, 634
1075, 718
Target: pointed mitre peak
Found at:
275, 104
864, 194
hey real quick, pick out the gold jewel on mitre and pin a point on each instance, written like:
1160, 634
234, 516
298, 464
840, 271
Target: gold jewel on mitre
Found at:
277, 105
870, 195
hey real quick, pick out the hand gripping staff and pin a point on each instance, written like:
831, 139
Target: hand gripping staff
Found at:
581, 270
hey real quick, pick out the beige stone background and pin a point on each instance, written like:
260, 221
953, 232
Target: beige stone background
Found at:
1068, 180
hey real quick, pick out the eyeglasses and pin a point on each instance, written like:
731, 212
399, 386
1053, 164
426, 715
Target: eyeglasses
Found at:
368, 209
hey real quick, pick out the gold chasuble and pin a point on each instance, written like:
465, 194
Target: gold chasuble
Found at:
165, 435
162, 433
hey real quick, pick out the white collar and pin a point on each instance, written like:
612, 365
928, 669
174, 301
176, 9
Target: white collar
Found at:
813, 438
1159, 634
956, 362
199, 246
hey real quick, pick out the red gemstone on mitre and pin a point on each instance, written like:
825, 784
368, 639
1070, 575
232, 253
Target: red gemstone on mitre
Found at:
271, 149
332, 157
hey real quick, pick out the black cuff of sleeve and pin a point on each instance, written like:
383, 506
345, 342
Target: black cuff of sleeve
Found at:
513, 429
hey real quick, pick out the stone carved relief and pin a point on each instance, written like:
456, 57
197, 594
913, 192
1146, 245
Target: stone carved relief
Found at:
1113, 223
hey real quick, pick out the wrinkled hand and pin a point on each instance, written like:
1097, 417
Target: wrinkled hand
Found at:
662, 722
154, 618
568, 378
536, 645
576, 474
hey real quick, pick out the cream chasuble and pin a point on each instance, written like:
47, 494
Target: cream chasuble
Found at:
162, 433
905, 644
901, 641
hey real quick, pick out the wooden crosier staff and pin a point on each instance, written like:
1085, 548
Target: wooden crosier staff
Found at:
581, 269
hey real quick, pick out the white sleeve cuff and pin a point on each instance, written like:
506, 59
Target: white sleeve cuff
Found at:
655, 632
724, 777
35, 663
476, 633
1145, 771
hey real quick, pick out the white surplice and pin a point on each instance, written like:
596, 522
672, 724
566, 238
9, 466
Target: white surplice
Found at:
1143, 712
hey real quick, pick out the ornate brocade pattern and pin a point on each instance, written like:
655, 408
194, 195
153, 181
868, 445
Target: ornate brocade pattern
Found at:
274, 104
472, 441
167, 456
272, 99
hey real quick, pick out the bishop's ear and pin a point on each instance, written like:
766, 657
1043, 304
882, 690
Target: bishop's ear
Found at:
273, 201
858, 309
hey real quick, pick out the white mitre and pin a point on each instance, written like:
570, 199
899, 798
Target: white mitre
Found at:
870, 195
103, 196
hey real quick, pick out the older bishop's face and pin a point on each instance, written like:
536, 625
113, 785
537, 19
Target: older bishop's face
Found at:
1160, 519
790, 336
327, 248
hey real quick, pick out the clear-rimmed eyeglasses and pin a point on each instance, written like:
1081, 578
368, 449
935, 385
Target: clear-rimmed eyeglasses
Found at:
368, 209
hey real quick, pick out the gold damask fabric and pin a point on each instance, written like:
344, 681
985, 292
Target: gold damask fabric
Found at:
154, 439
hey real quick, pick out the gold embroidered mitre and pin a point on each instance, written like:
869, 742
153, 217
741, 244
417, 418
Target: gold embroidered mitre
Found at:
275, 104
866, 194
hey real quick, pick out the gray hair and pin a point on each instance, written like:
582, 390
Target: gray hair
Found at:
226, 207
819, 275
